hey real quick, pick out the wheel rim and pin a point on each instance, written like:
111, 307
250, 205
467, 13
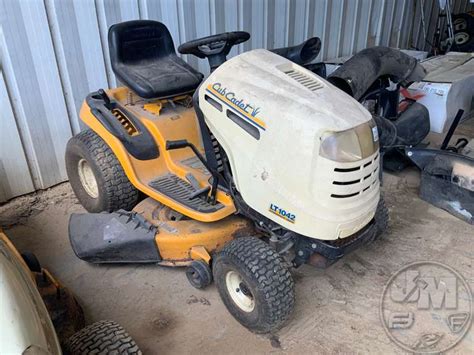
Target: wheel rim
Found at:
88, 181
461, 37
460, 24
239, 291
194, 277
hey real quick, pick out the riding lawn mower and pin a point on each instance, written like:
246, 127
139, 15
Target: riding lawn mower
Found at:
260, 167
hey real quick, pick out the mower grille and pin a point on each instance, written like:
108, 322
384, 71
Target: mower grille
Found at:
355, 180
180, 190
125, 122
304, 79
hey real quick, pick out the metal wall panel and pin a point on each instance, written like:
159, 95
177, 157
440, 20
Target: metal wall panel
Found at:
54, 52
13, 155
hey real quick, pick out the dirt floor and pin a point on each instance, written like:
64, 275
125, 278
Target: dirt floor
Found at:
337, 309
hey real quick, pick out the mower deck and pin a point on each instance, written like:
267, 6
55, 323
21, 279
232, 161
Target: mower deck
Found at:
151, 233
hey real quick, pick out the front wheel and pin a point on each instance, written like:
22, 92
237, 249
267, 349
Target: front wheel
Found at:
381, 218
255, 286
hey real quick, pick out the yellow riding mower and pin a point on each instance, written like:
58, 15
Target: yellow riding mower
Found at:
261, 167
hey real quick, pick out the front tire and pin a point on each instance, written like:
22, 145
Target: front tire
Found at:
96, 176
255, 286
381, 218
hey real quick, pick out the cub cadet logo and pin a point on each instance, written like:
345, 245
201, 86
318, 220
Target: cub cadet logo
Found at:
282, 213
245, 110
229, 95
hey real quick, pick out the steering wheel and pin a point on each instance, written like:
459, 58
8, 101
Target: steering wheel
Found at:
215, 48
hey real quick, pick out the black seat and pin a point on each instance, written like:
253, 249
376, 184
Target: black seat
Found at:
143, 58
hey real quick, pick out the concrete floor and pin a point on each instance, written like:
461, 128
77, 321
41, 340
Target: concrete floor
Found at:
337, 309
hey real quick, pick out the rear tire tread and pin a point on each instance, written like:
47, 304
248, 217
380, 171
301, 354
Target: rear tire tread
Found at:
103, 337
118, 190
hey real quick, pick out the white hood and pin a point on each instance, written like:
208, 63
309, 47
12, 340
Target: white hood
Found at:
261, 78
269, 115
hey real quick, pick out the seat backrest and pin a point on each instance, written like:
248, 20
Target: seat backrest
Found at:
144, 59
139, 41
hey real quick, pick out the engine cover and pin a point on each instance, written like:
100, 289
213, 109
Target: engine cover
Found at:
269, 115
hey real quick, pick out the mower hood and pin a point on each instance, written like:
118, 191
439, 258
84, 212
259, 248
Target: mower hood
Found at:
284, 93
271, 116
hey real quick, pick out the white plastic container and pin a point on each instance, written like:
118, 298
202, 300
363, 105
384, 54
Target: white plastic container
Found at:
448, 87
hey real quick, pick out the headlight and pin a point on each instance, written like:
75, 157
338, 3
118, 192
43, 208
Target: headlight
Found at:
352, 145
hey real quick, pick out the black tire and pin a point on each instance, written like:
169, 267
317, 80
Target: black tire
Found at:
463, 42
114, 190
381, 218
462, 23
103, 337
265, 280
199, 274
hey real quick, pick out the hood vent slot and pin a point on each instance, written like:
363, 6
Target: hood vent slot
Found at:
304, 79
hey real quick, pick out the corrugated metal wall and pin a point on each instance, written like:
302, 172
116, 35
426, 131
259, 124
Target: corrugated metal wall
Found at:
54, 52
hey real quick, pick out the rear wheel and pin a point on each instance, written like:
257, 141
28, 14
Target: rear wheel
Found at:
104, 337
96, 176
253, 283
